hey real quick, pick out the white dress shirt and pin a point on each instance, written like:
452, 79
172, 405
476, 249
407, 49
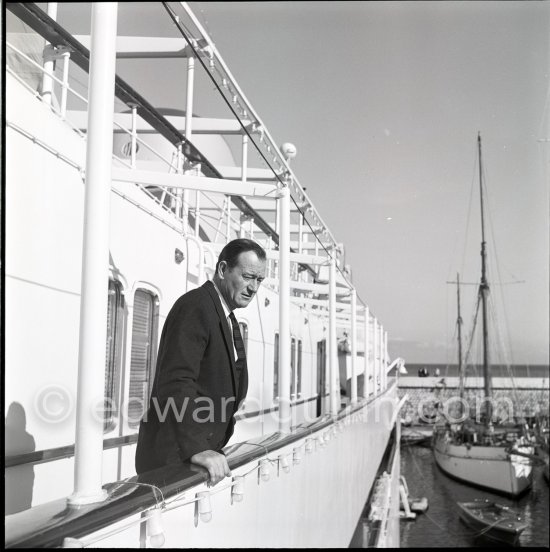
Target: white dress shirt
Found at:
227, 312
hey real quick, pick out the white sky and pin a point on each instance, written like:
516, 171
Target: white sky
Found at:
384, 101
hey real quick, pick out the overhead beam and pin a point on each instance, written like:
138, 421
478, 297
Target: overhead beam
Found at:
308, 286
145, 46
299, 258
201, 125
201, 183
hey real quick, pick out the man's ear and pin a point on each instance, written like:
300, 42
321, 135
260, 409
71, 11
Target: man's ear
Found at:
222, 267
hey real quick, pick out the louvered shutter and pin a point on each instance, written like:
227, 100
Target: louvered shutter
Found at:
141, 356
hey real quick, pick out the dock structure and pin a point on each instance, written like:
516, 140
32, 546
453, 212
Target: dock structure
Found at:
519, 398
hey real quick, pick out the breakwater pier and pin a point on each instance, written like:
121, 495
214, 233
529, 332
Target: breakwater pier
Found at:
524, 397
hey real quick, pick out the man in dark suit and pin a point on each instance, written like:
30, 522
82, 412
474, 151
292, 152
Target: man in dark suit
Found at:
201, 375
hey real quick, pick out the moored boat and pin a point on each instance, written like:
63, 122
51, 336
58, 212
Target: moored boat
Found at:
483, 452
492, 520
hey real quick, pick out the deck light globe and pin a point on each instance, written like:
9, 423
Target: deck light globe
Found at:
205, 508
154, 529
288, 150
237, 490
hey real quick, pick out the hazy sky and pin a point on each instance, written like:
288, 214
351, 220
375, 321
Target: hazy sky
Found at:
384, 101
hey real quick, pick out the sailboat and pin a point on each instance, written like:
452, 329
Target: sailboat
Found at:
484, 453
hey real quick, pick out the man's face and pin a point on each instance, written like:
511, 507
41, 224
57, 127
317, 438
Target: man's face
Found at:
239, 284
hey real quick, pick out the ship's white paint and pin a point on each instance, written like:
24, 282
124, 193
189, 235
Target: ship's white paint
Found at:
43, 268
334, 479
45, 170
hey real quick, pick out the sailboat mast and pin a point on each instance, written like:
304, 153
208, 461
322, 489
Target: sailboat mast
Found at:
459, 328
484, 292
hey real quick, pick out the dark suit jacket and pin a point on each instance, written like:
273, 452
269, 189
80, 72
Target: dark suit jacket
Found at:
197, 387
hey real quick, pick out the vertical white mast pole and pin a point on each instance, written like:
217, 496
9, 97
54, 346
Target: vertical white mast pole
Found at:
333, 345
244, 158
366, 359
353, 346
95, 257
188, 126
228, 224
284, 309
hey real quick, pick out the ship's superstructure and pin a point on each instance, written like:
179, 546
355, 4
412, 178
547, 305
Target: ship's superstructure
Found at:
100, 245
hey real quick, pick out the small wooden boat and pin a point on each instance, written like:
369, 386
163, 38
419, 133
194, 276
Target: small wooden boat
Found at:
493, 521
416, 435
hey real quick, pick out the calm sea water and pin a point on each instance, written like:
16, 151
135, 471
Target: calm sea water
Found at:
440, 525
450, 370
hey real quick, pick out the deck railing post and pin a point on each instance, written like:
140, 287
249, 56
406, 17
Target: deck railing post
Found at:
382, 358
197, 212
386, 360
65, 55
133, 148
376, 365
49, 61
366, 329
353, 346
228, 224
333, 343
244, 158
95, 257
379, 355
284, 309
188, 128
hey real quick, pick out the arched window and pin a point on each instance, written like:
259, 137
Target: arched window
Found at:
143, 354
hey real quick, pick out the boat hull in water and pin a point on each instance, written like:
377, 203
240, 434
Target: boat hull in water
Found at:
490, 467
493, 521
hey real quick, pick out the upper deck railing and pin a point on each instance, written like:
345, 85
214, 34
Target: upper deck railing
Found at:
71, 51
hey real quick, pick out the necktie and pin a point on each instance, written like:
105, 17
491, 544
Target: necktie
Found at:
238, 340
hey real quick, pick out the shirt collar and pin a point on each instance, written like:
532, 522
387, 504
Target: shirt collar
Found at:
226, 309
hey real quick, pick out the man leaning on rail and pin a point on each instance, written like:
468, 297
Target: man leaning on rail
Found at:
201, 376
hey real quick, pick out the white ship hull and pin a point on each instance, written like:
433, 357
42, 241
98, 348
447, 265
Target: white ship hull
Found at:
490, 467
154, 257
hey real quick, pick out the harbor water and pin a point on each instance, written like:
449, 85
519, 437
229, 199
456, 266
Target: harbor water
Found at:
441, 527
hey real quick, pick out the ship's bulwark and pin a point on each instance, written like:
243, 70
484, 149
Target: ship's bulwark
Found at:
312, 494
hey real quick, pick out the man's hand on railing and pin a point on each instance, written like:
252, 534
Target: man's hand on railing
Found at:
215, 463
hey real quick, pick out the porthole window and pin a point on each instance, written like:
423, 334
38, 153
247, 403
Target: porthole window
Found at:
126, 149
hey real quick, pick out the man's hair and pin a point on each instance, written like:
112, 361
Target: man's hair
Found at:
230, 253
